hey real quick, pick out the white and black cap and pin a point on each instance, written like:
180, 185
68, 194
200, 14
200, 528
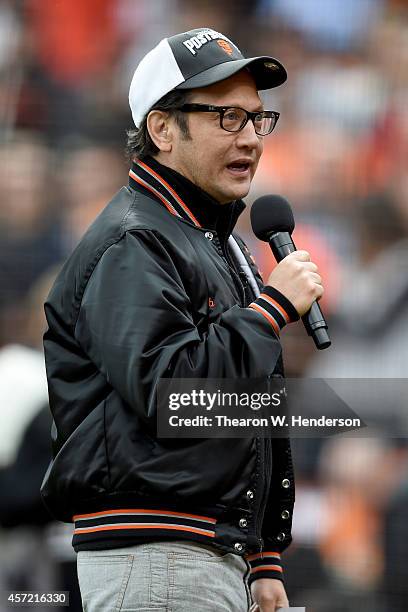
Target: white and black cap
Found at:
193, 59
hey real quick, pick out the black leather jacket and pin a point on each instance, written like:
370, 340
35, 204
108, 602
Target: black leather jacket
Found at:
150, 293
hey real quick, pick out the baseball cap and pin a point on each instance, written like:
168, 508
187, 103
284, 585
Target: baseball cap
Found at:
196, 58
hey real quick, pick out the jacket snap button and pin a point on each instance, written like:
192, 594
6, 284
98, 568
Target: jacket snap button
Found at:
238, 547
285, 514
209, 235
281, 536
286, 483
243, 523
250, 494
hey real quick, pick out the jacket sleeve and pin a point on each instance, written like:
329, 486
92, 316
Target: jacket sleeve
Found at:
136, 324
266, 564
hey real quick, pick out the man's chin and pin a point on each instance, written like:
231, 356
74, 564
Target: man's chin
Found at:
229, 192
240, 192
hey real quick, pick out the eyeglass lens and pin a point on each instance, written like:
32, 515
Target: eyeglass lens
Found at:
234, 119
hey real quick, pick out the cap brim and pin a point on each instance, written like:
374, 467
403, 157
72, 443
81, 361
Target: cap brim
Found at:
267, 72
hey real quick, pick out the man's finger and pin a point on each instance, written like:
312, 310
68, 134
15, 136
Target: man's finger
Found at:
300, 255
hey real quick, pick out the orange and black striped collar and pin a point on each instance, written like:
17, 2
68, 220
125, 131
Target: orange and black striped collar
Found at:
182, 198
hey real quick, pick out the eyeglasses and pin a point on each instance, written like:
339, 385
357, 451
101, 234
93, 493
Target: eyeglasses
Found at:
234, 118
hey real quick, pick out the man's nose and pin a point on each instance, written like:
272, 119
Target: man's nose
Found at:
247, 137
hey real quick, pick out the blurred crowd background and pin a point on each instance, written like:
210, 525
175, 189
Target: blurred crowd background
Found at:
339, 154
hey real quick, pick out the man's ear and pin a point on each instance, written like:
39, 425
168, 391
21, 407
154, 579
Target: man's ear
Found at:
160, 129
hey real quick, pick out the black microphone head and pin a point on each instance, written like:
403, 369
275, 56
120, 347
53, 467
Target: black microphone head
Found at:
270, 214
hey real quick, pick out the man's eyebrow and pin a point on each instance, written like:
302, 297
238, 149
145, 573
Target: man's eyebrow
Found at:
257, 109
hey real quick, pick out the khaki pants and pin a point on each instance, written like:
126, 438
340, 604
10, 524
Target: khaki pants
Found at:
177, 576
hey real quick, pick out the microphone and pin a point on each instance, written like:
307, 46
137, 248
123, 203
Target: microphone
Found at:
272, 221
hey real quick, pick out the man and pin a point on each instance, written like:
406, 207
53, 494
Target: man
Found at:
155, 290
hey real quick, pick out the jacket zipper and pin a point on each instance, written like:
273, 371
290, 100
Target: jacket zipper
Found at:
266, 475
266, 455
234, 274
263, 442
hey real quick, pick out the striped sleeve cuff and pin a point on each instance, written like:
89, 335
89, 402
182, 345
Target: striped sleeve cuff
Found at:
275, 308
265, 565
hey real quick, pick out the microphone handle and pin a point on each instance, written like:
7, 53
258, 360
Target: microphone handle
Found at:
282, 245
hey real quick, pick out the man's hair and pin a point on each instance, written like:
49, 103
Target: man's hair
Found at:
139, 143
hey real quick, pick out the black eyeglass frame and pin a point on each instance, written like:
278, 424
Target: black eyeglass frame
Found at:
210, 108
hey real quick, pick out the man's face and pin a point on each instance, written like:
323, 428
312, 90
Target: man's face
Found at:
221, 163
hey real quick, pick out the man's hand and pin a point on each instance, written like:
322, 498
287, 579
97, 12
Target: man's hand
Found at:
269, 595
298, 279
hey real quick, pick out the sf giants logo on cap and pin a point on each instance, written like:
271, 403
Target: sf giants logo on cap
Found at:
225, 46
195, 43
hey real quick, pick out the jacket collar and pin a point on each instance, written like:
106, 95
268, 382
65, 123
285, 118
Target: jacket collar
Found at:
184, 199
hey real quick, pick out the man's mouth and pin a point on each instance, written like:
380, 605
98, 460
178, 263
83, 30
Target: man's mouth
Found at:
239, 168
